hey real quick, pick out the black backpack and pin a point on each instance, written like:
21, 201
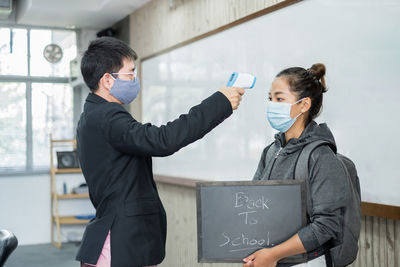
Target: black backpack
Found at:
343, 251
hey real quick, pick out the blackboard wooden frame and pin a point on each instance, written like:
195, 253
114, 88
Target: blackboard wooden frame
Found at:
200, 185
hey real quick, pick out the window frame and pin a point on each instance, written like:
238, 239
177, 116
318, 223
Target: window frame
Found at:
28, 80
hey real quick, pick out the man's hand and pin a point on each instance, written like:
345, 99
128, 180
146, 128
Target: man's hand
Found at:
234, 95
261, 258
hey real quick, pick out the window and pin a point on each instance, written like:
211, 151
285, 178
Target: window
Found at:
13, 51
36, 97
51, 114
12, 125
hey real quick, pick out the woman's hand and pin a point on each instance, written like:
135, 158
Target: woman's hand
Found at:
269, 257
261, 258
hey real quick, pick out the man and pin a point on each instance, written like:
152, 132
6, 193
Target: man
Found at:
115, 154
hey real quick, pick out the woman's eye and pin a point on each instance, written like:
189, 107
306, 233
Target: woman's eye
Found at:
279, 99
270, 98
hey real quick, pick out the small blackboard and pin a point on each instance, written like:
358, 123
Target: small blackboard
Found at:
235, 219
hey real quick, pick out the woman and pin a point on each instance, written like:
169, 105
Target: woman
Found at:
295, 101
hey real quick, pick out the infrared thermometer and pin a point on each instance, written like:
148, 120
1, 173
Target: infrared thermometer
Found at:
243, 80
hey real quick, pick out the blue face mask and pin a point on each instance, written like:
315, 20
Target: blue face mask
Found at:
125, 90
278, 115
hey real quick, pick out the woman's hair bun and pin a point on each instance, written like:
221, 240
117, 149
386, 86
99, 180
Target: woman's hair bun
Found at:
318, 69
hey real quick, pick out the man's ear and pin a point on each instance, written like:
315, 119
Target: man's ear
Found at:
305, 104
106, 81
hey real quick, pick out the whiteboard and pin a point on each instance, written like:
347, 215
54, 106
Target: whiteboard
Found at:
358, 41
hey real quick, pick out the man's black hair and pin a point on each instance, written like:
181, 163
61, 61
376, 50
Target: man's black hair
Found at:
104, 55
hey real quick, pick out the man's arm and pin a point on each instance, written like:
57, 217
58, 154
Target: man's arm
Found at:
132, 137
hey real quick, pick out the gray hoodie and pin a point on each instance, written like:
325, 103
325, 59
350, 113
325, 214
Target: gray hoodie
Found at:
326, 187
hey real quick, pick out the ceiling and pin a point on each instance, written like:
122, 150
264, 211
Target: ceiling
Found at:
88, 14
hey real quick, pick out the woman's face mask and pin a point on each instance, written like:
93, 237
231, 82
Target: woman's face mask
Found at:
278, 115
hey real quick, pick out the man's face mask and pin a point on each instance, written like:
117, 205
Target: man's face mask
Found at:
125, 90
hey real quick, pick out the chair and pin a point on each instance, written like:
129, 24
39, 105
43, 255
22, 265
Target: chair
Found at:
8, 242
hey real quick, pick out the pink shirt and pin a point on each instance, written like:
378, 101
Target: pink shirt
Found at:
105, 255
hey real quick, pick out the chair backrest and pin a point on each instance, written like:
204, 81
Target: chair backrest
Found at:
8, 242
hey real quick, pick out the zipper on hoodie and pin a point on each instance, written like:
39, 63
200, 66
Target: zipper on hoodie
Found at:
273, 163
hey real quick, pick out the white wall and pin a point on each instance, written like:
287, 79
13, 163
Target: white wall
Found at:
25, 207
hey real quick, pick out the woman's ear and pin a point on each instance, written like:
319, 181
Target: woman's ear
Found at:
305, 104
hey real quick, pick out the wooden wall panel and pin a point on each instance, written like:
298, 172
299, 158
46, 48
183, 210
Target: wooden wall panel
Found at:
157, 26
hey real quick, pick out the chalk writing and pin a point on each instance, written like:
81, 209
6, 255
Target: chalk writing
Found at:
247, 219
252, 205
243, 242
242, 199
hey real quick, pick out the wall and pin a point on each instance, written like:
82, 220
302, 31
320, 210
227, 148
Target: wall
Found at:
25, 207
156, 27
122, 30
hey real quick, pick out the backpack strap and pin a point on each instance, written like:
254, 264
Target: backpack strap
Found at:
328, 258
302, 173
263, 165
270, 155
301, 169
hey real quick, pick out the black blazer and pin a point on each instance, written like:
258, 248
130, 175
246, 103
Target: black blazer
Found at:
115, 155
